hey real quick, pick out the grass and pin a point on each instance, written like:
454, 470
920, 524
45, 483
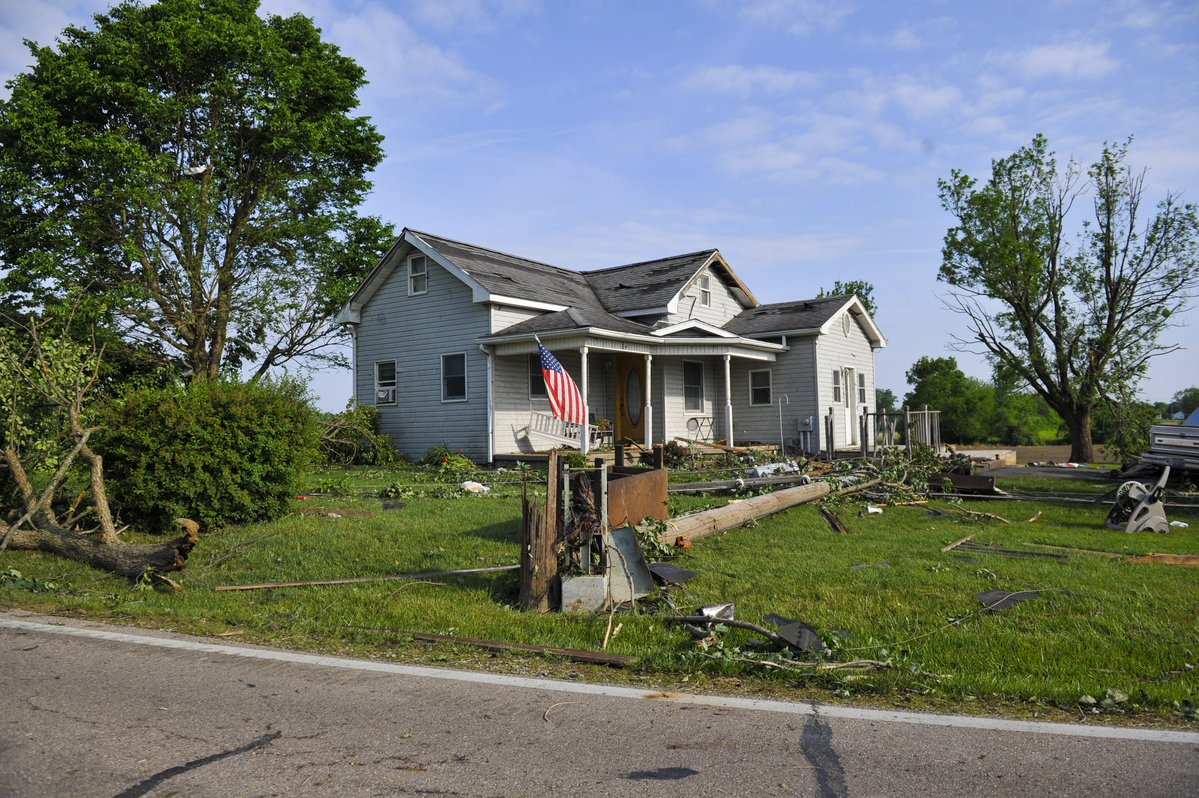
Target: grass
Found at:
883, 591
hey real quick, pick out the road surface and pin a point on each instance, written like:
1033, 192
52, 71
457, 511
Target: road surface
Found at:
93, 710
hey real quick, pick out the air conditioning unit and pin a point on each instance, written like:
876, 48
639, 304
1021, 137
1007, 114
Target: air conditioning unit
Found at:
386, 396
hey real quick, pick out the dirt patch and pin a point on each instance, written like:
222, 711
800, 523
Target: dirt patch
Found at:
1055, 454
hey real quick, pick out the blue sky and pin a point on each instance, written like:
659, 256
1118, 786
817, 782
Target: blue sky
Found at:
802, 138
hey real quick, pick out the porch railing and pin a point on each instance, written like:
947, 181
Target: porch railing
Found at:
907, 428
545, 427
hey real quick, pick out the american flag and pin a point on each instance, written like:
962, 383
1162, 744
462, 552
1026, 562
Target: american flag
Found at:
565, 400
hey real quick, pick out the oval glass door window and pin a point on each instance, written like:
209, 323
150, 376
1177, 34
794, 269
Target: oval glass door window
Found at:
634, 397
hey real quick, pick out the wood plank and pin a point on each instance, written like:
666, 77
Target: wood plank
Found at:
593, 657
384, 578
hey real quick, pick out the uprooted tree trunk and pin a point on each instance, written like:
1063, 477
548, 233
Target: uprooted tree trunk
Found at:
60, 374
122, 559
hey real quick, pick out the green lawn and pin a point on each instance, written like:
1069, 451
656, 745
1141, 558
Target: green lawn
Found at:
883, 591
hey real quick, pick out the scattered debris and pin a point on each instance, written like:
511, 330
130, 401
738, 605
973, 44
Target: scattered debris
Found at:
383, 578
671, 574
546, 715
584, 593
1179, 524
329, 512
956, 543
996, 600
965, 484
1006, 552
1139, 508
721, 612
772, 469
629, 577
798, 634
1035, 517
576, 655
976, 515
834, 522
1072, 549
470, 486
1168, 559
871, 509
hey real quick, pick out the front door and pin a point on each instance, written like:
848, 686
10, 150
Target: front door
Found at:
630, 399
849, 380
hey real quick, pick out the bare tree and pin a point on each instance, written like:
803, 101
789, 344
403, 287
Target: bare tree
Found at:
1079, 320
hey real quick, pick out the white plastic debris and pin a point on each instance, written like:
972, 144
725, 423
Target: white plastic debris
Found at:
471, 486
771, 469
870, 508
1179, 524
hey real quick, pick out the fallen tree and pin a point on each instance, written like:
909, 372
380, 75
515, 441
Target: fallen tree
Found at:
45, 382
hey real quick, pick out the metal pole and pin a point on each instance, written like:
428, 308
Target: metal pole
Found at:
782, 444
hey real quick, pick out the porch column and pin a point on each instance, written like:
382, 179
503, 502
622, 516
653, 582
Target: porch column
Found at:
584, 436
649, 402
728, 398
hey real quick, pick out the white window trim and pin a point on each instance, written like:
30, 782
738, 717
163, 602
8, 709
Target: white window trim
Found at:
703, 397
465, 381
705, 290
769, 386
837, 386
861, 388
393, 387
411, 260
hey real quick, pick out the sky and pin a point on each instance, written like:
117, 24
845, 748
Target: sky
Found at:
802, 138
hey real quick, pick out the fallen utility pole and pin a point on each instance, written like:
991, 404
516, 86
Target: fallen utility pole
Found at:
720, 519
577, 655
384, 578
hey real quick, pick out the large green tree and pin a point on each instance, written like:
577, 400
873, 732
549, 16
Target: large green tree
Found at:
195, 170
862, 289
1186, 400
1078, 314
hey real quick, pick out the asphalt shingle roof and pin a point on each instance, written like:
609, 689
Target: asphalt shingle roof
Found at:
649, 284
805, 314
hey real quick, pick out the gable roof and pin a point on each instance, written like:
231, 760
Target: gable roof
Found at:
654, 285
504, 275
804, 316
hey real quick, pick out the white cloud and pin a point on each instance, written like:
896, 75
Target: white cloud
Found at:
1069, 60
921, 100
799, 17
399, 63
746, 80
469, 14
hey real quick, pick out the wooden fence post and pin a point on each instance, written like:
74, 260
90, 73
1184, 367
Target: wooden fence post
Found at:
539, 532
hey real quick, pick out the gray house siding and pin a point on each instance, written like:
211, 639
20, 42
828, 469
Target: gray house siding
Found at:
415, 331
837, 351
513, 403
792, 375
722, 308
504, 316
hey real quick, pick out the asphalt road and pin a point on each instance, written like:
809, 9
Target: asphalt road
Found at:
91, 710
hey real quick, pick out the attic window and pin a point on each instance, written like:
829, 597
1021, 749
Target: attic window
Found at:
418, 275
705, 290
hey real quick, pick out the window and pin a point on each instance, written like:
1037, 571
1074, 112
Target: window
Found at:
759, 388
862, 389
385, 382
693, 386
837, 386
418, 275
705, 290
536, 379
453, 378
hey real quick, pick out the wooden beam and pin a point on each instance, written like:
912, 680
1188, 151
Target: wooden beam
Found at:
594, 657
384, 578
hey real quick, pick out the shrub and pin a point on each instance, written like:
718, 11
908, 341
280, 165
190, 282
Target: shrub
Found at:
220, 453
352, 437
448, 461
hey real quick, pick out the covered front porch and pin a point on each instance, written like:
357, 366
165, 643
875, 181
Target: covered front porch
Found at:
640, 389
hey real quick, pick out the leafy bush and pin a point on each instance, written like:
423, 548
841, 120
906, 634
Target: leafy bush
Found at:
446, 460
220, 453
352, 437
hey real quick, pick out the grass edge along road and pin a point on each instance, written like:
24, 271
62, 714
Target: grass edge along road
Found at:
1104, 630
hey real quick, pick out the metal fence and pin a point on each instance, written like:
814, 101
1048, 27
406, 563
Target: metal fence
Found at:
907, 428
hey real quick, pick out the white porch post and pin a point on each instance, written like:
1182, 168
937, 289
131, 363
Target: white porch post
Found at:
584, 436
649, 402
728, 398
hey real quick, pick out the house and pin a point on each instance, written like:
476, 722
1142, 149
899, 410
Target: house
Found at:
445, 339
